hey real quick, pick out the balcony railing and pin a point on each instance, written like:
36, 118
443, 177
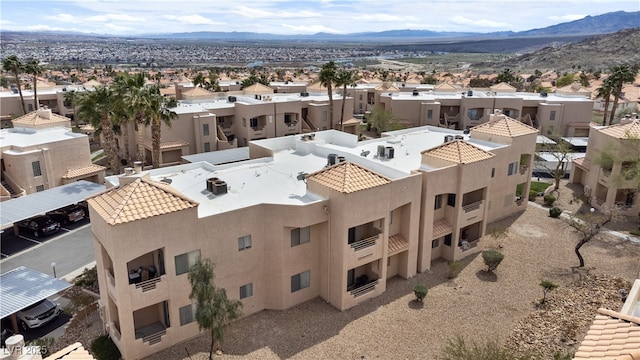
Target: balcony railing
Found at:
471, 207
112, 280
154, 338
364, 289
148, 284
364, 243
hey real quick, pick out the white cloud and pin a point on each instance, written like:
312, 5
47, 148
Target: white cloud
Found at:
117, 28
310, 29
192, 19
110, 17
383, 17
567, 17
253, 13
42, 27
61, 17
461, 20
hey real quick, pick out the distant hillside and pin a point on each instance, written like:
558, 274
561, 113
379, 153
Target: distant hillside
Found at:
590, 25
599, 52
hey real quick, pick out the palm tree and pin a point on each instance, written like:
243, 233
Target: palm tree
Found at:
134, 104
160, 113
96, 107
344, 78
327, 77
604, 92
621, 74
15, 66
34, 68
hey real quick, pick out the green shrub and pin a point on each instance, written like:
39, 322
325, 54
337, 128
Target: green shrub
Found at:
454, 269
88, 278
104, 349
547, 287
492, 258
532, 195
555, 212
420, 291
635, 232
549, 199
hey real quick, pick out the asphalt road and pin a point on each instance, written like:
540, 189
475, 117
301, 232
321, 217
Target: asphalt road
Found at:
70, 250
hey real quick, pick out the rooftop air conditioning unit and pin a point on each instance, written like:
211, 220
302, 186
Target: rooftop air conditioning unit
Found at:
304, 94
216, 186
331, 159
459, 137
448, 138
415, 92
543, 93
380, 153
389, 152
469, 93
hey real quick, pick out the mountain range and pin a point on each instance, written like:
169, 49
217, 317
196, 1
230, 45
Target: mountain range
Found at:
590, 25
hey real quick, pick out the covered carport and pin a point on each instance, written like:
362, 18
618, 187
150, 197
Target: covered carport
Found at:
28, 206
23, 287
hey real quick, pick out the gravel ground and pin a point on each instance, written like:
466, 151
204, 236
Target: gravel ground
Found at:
476, 305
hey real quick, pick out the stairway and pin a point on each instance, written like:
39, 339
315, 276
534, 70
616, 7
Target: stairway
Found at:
9, 188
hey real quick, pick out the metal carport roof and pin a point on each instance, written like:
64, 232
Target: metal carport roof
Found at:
24, 207
22, 287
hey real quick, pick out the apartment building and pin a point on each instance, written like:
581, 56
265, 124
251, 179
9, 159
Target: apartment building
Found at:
552, 114
209, 121
41, 152
611, 150
49, 97
313, 215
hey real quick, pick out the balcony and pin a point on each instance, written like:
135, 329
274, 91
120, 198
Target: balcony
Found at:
365, 243
364, 289
151, 334
468, 245
471, 212
148, 284
111, 283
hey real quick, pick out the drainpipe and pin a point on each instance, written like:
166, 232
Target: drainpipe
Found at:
328, 212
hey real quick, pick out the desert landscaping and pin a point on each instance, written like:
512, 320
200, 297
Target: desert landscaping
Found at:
476, 305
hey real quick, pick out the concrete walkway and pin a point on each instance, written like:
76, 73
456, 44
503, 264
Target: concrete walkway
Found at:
567, 215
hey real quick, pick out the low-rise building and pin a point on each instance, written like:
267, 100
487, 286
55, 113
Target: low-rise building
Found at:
41, 152
604, 170
313, 215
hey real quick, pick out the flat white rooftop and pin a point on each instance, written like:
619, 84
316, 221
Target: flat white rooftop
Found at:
22, 137
274, 180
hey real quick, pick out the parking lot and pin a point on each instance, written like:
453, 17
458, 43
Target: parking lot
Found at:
10, 244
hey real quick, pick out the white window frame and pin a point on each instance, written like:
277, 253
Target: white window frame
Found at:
192, 257
300, 236
246, 291
300, 281
244, 242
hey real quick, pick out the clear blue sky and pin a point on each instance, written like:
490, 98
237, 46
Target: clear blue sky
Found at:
130, 17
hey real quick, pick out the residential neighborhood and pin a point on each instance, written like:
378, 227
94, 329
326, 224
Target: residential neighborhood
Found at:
262, 193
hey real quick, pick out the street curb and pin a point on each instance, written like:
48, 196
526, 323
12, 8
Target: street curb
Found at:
74, 274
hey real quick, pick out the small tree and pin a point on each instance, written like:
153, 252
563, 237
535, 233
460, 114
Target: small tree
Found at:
588, 229
547, 287
214, 311
380, 119
492, 258
420, 291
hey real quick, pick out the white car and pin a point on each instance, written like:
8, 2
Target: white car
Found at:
37, 314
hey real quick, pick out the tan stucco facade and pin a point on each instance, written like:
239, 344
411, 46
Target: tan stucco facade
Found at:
610, 150
339, 233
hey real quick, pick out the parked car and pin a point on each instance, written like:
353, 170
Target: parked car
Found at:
37, 314
39, 226
68, 214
